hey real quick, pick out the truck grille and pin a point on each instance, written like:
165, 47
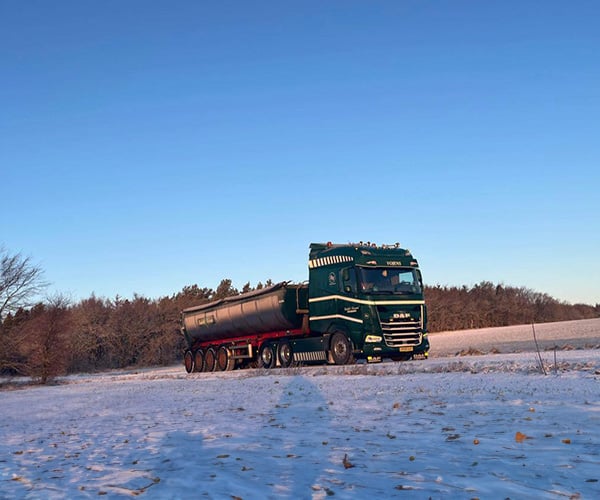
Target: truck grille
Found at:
400, 329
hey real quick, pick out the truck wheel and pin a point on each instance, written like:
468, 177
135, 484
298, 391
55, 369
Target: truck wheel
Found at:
209, 360
266, 356
224, 361
188, 361
284, 353
199, 361
340, 348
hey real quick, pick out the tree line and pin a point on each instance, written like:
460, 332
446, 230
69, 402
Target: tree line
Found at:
487, 305
52, 337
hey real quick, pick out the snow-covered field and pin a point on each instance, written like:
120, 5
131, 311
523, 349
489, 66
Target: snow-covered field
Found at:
470, 427
580, 334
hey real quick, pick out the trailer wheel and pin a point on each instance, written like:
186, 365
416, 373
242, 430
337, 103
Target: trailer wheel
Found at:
224, 359
266, 356
340, 348
209, 360
188, 361
199, 361
284, 353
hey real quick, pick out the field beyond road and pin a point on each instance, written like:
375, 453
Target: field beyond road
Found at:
563, 335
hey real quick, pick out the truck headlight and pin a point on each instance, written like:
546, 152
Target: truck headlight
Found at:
373, 338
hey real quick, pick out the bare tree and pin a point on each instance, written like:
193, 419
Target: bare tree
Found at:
12, 358
131, 325
20, 282
47, 334
87, 343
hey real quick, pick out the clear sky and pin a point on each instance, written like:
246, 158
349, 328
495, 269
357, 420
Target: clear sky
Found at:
149, 145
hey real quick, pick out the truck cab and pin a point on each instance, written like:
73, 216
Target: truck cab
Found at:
369, 299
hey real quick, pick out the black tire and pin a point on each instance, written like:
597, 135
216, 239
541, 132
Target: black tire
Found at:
199, 361
340, 348
210, 357
188, 361
266, 356
224, 361
285, 354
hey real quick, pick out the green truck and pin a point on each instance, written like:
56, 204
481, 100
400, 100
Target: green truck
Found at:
362, 301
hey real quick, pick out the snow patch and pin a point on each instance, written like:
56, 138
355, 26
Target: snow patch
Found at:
442, 427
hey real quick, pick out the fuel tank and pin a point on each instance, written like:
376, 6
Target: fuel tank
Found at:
275, 308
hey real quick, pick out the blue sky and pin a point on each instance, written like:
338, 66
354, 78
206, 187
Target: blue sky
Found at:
145, 146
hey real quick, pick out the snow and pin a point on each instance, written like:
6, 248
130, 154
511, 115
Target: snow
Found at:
579, 334
471, 427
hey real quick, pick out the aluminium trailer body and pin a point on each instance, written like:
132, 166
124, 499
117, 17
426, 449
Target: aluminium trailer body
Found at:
223, 333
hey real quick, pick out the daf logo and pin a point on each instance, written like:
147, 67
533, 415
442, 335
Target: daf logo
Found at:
401, 315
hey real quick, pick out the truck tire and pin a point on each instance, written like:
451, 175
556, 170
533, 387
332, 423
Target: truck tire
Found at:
266, 356
340, 348
224, 361
188, 361
210, 360
199, 361
284, 354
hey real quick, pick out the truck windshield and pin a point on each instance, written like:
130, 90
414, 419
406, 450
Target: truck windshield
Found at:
389, 280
